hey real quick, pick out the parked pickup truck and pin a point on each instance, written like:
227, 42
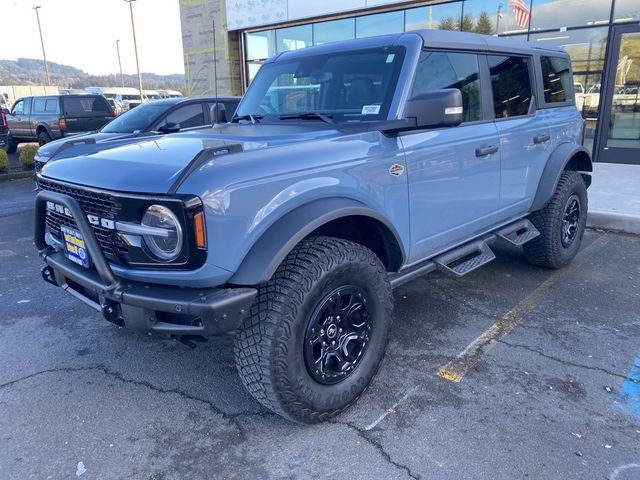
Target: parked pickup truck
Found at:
42, 119
348, 169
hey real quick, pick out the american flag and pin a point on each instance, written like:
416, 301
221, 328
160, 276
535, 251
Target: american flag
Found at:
521, 12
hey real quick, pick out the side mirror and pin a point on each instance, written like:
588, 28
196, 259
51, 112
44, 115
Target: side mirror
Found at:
218, 113
437, 108
5, 110
169, 127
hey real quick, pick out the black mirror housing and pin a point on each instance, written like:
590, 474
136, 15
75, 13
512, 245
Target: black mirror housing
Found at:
169, 127
218, 113
437, 108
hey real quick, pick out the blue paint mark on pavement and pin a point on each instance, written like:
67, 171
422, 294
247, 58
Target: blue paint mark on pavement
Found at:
628, 400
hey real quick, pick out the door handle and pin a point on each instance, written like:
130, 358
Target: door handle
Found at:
484, 151
542, 138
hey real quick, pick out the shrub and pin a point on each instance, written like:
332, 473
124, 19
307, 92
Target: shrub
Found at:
27, 154
4, 161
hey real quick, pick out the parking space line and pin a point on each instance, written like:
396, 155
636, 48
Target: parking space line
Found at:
628, 399
456, 369
391, 409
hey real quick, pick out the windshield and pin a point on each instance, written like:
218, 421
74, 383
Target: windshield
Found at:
348, 86
136, 120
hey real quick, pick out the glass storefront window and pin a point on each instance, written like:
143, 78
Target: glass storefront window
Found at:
380, 24
548, 14
441, 16
495, 16
626, 10
260, 45
293, 38
333, 31
585, 46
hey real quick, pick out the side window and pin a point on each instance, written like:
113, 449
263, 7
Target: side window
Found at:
511, 85
27, 106
556, 79
38, 105
51, 106
438, 70
187, 116
18, 108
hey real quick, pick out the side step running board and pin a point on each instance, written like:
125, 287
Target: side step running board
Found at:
465, 259
518, 233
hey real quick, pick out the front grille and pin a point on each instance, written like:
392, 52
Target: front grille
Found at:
100, 204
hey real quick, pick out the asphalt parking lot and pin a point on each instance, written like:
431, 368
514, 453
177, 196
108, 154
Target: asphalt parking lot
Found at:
512, 372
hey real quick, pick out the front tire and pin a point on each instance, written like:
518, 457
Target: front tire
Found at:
561, 224
317, 331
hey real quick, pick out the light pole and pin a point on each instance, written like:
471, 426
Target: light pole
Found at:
44, 55
135, 48
119, 62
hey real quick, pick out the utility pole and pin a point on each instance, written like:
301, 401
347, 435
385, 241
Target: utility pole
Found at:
44, 55
135, 48
119, 62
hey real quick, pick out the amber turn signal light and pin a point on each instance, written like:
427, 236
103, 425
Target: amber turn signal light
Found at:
198, 224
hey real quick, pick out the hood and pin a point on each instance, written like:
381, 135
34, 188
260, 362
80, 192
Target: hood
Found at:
152, 165
55, 150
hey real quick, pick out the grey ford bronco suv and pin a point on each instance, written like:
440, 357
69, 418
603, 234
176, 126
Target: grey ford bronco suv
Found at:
348, 169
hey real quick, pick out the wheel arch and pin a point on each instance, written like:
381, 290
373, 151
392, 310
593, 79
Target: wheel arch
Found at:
337, 217
566, 156
42, 127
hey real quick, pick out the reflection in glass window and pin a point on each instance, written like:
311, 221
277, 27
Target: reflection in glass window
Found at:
293, 38
260, 45
585, 46
380, 24
438, 70
333, 31
511, 85
626, 10
496, 16
547, 14
442, 17
185, 117
556, 79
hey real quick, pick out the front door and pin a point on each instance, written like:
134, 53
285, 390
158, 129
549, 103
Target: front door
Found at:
618, 138
453, 173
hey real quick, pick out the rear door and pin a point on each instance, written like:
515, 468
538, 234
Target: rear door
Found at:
85, 113
525, 135
453, 173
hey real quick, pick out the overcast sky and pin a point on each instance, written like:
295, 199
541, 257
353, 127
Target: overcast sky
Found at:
82, 33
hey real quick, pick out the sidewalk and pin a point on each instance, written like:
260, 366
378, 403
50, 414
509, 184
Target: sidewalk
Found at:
614, 197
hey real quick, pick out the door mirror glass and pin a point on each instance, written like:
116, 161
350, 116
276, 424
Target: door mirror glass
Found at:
436, 108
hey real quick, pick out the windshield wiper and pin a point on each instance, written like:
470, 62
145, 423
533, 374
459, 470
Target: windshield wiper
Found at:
252, 118
309, 115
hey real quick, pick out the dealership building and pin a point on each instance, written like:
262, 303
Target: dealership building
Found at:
601, 36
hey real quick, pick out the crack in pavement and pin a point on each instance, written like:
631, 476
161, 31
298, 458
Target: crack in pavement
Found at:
231, 417
562, 361
378, 446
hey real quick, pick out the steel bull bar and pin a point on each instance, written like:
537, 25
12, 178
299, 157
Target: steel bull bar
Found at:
146, 307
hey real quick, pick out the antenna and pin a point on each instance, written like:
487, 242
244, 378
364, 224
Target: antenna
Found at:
215, 71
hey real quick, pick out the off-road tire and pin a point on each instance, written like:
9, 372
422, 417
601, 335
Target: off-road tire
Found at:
269, 350
547, 250
43, 138
12, 146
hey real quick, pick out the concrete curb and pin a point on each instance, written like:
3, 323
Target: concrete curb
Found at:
619, 222
16, 175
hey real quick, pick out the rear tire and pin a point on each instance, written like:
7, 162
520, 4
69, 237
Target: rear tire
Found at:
317, 331
43, 137
561, 224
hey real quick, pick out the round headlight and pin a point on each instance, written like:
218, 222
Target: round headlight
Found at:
166, 244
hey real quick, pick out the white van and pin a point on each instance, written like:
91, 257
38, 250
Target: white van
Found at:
126, 96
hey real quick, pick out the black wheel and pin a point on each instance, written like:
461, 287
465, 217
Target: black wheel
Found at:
561, 224
317, 331
12, 146
43, 137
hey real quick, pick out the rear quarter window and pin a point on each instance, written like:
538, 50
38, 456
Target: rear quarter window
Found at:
86, 106
557, 80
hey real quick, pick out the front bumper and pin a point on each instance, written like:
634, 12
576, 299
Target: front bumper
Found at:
146, 307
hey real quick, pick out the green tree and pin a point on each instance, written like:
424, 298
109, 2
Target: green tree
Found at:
484, 24
448, 23
467, 24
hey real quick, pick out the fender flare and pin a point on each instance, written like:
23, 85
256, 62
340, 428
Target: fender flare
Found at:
268, 252
556, 164
46, 127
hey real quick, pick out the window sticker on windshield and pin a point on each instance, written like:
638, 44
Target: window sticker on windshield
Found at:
390, 57
370, 109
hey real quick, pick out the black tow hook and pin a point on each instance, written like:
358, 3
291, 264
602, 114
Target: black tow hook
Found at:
48, 275
111, 312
